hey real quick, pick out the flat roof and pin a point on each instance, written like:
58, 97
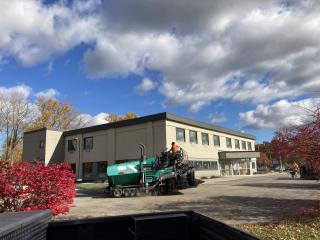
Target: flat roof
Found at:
42, 129
157, 117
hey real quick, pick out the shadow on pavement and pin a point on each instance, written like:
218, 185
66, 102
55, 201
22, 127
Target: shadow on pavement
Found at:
234, 209
101, 193
94, 193
283, 185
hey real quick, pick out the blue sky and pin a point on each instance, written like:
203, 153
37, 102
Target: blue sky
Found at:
110, 94
240, 67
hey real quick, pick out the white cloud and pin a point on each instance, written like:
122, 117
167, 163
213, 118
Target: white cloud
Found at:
217, 118
279, 114
49, 93
19, 90
90, 120
145, 86
32, 32
209, 50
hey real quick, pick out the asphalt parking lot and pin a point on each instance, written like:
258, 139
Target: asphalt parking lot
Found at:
235, 200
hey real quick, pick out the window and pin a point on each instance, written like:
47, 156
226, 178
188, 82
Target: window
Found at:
205, 138
204, 165
180, 135
41, 144
213, 165
102, 168
193, 137
87, 169
253, 165
249, 146
72, 145
88, 143
237, 143
197, 165
243, 145
216, 140
229, 143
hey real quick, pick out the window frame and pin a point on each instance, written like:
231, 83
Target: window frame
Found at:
207, 139
196, 137
249, 146
184, 134
243, 143
85, 145
236, 146
74, 145
228, 146
214, 142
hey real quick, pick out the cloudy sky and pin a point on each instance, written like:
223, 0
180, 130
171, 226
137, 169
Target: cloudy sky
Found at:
252, 67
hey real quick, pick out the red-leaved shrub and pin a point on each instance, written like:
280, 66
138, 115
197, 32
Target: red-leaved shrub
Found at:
25, 186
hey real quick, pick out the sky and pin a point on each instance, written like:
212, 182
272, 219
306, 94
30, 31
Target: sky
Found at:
252, 67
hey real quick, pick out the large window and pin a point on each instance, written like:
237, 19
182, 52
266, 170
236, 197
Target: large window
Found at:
205, 138
237, 144
243, 145
249, 146
216, 140
88, 143
204, 165
72, 145
180, 135
229, 143
193, 137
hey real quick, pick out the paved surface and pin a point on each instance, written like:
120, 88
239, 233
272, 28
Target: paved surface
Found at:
233, 200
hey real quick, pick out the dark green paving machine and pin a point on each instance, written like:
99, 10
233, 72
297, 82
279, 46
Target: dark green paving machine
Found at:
156, 175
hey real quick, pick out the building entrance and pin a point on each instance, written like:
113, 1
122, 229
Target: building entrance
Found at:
235, 167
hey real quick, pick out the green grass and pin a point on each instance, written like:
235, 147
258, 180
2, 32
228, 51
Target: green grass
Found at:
90, 186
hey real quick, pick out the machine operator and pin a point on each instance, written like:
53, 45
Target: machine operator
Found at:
174, 149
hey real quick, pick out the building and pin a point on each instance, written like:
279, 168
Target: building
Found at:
212, 150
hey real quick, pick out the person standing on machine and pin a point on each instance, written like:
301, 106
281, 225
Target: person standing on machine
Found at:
174, 149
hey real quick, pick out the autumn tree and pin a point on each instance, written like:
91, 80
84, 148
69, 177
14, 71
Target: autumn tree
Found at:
266, 147
302, 143
280, 145
113, 117
263, 160
56, 114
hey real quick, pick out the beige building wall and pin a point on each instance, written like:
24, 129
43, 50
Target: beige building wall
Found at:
51, 150
121, 143
54, 147
200, 152
117, 144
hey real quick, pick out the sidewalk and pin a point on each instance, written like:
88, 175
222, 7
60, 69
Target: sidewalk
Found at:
235, 178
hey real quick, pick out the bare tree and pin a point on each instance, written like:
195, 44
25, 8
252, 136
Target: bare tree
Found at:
16, 113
